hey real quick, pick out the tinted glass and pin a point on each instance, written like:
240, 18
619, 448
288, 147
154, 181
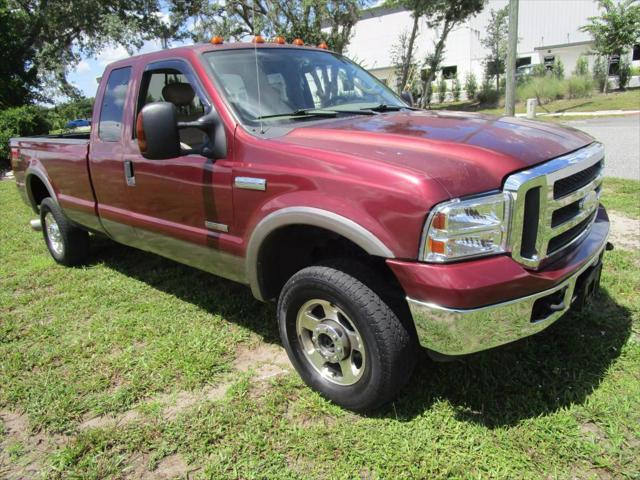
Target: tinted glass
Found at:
294, 79
112, 109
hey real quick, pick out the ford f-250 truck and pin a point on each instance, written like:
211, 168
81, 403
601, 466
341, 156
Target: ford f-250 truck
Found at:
375, 226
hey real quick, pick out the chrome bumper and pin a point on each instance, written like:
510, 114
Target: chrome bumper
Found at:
463, 331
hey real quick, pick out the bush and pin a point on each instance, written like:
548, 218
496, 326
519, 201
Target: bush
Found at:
582, 67
456, 89
470, 86
600, 73
558, 69
539, 70
545, 89
580, 86
488, 95
635, 71
442, 90
624, 73
21, 121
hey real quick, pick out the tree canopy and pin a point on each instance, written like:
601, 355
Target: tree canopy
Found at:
617, 28
495, 41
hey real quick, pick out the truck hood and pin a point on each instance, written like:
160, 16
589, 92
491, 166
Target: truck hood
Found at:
466, 153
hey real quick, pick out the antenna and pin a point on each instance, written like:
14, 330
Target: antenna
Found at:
255, 54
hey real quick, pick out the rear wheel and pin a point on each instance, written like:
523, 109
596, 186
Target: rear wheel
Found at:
67, 244
343, 339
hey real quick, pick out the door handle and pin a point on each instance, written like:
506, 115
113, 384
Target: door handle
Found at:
129, 174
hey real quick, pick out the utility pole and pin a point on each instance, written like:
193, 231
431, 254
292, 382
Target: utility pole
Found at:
512, 53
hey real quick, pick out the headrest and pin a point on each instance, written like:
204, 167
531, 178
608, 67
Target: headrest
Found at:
180, 94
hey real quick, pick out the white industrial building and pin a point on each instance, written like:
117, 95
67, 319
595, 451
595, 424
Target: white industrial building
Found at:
547, 29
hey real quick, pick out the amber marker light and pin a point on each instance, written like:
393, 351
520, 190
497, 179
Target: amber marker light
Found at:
142, 139
439, 221
298, 42
279, 40
258, 39
323, 46
436, 246
217, 40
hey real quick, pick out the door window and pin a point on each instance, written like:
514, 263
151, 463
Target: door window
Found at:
112, 109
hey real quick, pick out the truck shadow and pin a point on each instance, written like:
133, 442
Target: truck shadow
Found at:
535, 376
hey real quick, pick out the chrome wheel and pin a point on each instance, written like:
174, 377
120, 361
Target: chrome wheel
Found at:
331, 342
53, 234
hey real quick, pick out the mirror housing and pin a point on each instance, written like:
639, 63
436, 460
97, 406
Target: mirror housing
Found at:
157, 130
407, 96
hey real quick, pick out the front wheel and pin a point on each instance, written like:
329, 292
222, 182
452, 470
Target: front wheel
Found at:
343, 339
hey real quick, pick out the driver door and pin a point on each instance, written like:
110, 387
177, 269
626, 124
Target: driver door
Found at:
183, 203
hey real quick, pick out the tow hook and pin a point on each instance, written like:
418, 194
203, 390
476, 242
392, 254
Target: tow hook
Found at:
609, 246
36, 224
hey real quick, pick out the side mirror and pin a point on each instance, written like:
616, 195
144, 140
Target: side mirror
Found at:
157, 130
407, 97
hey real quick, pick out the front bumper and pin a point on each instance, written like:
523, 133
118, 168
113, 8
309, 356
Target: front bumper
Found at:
460, 331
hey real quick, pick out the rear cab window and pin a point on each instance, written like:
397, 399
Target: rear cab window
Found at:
112, 108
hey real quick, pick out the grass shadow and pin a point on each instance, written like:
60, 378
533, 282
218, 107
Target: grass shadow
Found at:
535, 376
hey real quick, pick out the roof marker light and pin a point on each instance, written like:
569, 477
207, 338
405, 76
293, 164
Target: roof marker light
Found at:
258, 39
279, 40
217, 40
299, 42
323, 45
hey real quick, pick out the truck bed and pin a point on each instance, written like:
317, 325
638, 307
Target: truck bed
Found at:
62, 162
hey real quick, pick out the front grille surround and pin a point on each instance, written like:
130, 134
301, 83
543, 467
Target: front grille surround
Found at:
536, 197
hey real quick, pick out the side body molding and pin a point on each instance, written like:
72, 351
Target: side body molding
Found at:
308, 216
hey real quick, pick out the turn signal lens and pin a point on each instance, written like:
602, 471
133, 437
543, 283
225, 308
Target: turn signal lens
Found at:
217, 40
298, 41
142, 139
323, 46
279, 40
258, 39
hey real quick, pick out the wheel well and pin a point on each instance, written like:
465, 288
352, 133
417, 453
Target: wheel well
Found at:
289, 249
38, 191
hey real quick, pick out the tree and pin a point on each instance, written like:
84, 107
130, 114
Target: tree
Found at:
456, 88
314, 21
582, 66
615, 30
404, 62
496, 42
60, 32
444, 16
470, 85
18, 73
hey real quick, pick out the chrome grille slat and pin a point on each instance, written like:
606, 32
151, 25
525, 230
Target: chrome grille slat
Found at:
572, 170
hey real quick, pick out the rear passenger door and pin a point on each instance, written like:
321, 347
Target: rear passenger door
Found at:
184, 200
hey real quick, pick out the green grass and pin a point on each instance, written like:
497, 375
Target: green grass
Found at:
76, 342
622, 196
627, 100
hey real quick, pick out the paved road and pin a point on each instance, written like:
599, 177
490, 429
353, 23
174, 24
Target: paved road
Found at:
621, 138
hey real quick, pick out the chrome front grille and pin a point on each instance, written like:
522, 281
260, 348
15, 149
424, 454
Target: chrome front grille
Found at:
554, 204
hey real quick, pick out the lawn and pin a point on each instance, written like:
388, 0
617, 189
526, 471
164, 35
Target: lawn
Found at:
135, 365
627, 100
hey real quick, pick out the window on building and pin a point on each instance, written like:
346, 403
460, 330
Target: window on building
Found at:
449, 72
112, 109
549, 60
522, 61
636, 52
614, 65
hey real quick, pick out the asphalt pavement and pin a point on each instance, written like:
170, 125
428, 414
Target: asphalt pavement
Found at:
621, 138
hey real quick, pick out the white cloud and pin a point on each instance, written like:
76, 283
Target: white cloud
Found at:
111, 54
83, 67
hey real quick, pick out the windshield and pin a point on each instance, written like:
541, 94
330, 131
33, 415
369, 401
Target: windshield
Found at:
296, 84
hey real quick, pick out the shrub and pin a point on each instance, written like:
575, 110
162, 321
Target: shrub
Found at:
624, 73
539, 70
442, 89
600, 74
582, 67
558, 69
545, 89
580, 86
470, 85
635, 71
488, 95
456, 88
20, 121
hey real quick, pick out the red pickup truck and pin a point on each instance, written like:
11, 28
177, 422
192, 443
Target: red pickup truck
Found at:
375, 226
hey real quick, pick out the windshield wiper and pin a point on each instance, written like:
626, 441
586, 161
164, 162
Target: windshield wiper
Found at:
383, 107
302, 112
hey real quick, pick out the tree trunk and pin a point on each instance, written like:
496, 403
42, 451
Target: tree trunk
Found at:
435, 60
407, 63
606, 75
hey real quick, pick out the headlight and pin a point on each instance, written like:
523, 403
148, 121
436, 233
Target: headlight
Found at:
466, 228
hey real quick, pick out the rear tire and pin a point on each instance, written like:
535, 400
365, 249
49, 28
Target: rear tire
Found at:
343, 339
67, 244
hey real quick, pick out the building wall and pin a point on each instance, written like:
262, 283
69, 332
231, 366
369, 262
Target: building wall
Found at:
540, 23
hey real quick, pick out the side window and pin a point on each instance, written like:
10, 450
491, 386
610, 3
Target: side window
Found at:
169, 85
112, 109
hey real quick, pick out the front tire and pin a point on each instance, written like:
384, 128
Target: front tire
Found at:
343, 339
67, 244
